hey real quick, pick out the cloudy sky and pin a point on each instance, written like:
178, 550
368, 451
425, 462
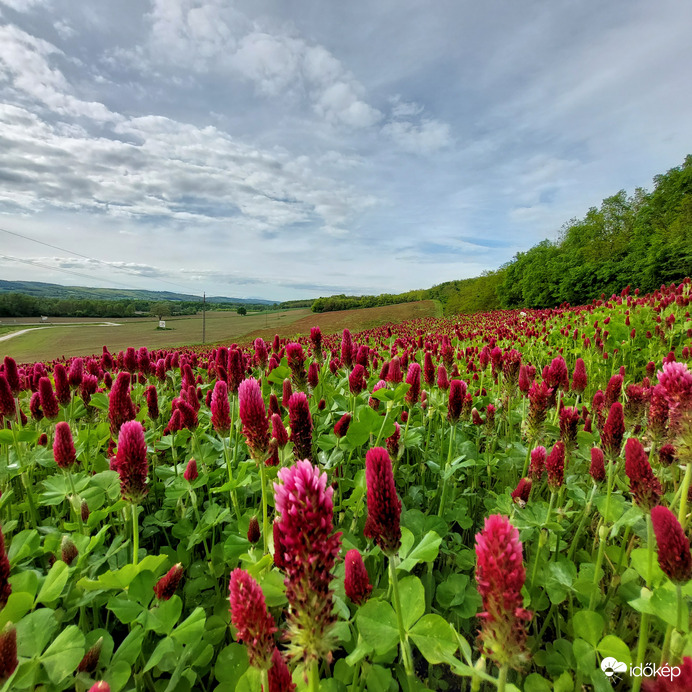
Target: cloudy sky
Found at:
292, 148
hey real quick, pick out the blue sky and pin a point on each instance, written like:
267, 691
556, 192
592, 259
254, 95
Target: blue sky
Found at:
285, 149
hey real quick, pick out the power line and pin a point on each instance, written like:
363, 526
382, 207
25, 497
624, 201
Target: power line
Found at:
92, 259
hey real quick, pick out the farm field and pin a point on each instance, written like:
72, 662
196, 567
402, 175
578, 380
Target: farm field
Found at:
498, 501
82, 339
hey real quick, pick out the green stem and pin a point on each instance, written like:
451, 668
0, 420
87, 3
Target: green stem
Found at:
585, 516
445, 480
75, 503
265, 516
135, 534
403, 636
313, 677
602, 535
502, 678
384, 421
681, 619
644, 623
682, 514
234, 496
534, 571
23, 473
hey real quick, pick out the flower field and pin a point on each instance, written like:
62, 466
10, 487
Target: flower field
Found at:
493, 501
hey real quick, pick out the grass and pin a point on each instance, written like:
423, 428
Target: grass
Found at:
222, 327
84, 339
355, 320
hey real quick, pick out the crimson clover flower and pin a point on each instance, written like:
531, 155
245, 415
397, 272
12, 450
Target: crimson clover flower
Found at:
356, 581
307, 550
253, 414
500, 576
674, 555
131, 461
384, 506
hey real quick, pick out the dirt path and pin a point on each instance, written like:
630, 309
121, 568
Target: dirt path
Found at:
11, 335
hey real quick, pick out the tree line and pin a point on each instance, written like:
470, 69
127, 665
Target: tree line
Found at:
643, 240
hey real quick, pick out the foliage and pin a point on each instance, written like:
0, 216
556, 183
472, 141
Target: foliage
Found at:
592, 585
643, 240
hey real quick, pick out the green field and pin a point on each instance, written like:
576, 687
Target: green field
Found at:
87, 338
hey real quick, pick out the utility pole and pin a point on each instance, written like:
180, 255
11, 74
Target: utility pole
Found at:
204, 318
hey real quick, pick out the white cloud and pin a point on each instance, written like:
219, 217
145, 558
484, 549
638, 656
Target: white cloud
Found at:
23, 5
426, 137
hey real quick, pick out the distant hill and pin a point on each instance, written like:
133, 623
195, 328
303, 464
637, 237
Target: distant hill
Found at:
56, 291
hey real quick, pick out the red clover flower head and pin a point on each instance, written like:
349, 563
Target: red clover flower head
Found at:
394, 375
280, 679
538, 456
356, 581
597, 467
279, 432
287, 392
393, 442
457, 392
166, 586
644, 486
5, 587
7, 405
313, 374
346, 349
62, 385
152, 398
309, 549
539, 396
442, 379
316, 341
296, 362
11, 372
131, 462
253, 530
658, 412
666, 455
579, 378
8, 652
49, 402
254, 624
120, 406
35, 406
342, 425
428, 369
500, 576
191, 473
261, 353
253, 415
413, 379
220, 408
300, 422
613, 431
75, 373
384, 506
673, 545
613, 390
569, 419
63, 446
666, 683
521, 493
555, 466
356, 380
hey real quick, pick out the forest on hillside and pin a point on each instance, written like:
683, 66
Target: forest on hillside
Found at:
643, 240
